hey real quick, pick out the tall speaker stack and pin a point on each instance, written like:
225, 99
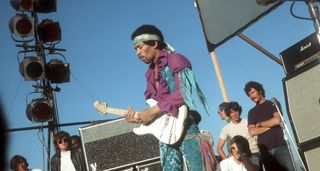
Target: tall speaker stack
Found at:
113, 146
302, 94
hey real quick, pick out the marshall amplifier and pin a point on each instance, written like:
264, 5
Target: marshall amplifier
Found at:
301, 54
113, 146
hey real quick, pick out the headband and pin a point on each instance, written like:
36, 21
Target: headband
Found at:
147, 37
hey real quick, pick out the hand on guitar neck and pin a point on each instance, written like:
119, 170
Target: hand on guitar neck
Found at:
145, 117
131, 115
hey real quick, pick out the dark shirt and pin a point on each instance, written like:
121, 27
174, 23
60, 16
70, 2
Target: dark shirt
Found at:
262, 112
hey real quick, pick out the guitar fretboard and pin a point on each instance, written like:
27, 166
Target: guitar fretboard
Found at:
116, 111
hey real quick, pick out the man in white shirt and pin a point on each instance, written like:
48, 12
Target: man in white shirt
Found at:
237, 126
66, 159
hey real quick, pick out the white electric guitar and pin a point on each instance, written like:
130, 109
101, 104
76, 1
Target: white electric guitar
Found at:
167, 129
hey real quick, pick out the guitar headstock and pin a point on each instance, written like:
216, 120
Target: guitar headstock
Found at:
102, 108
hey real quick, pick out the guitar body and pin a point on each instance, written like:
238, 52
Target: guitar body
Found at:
168, 129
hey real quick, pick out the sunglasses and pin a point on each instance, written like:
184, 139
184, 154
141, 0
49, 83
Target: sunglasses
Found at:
62, 140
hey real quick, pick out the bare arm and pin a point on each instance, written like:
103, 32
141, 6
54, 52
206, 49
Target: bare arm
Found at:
255, 130
220, 145
264, 126
146, 116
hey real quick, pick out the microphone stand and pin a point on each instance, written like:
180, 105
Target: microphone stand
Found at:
287, 134
314, 13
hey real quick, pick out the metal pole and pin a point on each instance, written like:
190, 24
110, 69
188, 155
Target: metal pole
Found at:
260, 48
287, 134
314, 13
58, 125
219, 76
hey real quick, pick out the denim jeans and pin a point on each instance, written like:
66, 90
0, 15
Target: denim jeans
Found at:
277, 158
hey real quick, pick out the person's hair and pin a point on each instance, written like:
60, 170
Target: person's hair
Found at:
15, 160
150, 29
233, 106
60, 135
255, 85
242, 144
195, 115
223, 106
77, 137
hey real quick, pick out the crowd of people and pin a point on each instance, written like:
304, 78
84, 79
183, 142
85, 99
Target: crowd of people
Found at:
254, 144
266, 144
68, 157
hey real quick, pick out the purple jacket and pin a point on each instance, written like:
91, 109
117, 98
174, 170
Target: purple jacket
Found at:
168, 102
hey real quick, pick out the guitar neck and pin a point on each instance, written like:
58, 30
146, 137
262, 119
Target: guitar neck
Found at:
120, 112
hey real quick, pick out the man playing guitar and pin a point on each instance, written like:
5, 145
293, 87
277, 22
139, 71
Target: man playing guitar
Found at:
169, 82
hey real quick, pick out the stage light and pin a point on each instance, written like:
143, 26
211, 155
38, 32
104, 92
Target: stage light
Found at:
40, 110
45, 6
22, 5
265, 2
49, 31
22, 25
57, 71
32, 68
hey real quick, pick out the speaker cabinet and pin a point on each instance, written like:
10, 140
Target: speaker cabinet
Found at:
302, 92
113, 146
312, 159
303, 103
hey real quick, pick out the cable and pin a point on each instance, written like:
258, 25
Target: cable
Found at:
292, 13
81, 85
44, 146
15, 96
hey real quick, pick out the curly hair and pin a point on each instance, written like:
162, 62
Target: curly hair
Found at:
255, 85
233, 106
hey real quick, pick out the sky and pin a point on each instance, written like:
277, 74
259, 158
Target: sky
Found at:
104, 66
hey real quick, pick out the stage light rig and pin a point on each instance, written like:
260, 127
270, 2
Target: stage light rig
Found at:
38, 40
